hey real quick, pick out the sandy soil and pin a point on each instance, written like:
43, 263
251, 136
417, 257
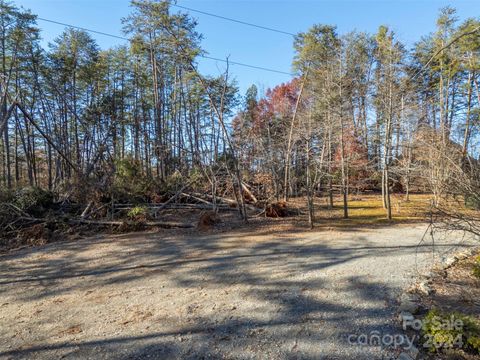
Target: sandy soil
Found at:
271, 295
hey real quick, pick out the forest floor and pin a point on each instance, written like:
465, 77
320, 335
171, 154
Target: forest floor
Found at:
271, 290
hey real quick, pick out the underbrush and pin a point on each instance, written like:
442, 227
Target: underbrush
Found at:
476, 267
450, 330
138, 213
29, 216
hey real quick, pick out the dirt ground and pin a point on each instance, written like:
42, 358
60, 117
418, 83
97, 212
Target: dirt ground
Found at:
241, 294
455, 290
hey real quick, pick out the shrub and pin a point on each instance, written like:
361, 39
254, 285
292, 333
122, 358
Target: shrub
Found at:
138, 213
130, 184
33, 200
6, 196
448, 330
173, 182
472, 202
476, 267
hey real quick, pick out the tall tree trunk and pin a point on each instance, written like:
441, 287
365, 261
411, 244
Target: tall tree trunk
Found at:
466, 135
286, 181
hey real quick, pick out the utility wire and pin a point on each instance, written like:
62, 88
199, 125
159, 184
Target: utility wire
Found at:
202, 56
85, 29
291, 34
247, 65
234, 20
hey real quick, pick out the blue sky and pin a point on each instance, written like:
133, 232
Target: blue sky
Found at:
409, 19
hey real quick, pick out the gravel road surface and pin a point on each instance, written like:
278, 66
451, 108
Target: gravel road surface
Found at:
289, 295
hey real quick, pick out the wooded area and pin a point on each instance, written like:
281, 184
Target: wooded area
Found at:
151, 211
139, 126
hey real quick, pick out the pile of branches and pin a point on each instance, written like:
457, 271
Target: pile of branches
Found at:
30, 216
13, 218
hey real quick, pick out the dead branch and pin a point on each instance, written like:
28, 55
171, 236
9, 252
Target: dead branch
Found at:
174, 197
87, 209
196, 198
250, 195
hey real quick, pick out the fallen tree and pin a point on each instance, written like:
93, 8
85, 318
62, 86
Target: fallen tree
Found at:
163, 224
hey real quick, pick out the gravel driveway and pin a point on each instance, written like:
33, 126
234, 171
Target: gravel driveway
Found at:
235, 296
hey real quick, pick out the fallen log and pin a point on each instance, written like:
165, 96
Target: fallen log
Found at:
96, 211
219, 198
164, 224
174, 197
197, 198
177, 206
229, 201
249, 194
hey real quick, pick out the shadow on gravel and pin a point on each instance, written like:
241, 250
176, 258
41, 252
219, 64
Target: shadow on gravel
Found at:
268, 272
302, 319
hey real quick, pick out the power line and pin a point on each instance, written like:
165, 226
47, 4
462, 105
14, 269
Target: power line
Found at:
202, 56
85, 29
235, 20
247, 65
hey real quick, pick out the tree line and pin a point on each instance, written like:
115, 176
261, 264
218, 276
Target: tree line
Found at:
363, 113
